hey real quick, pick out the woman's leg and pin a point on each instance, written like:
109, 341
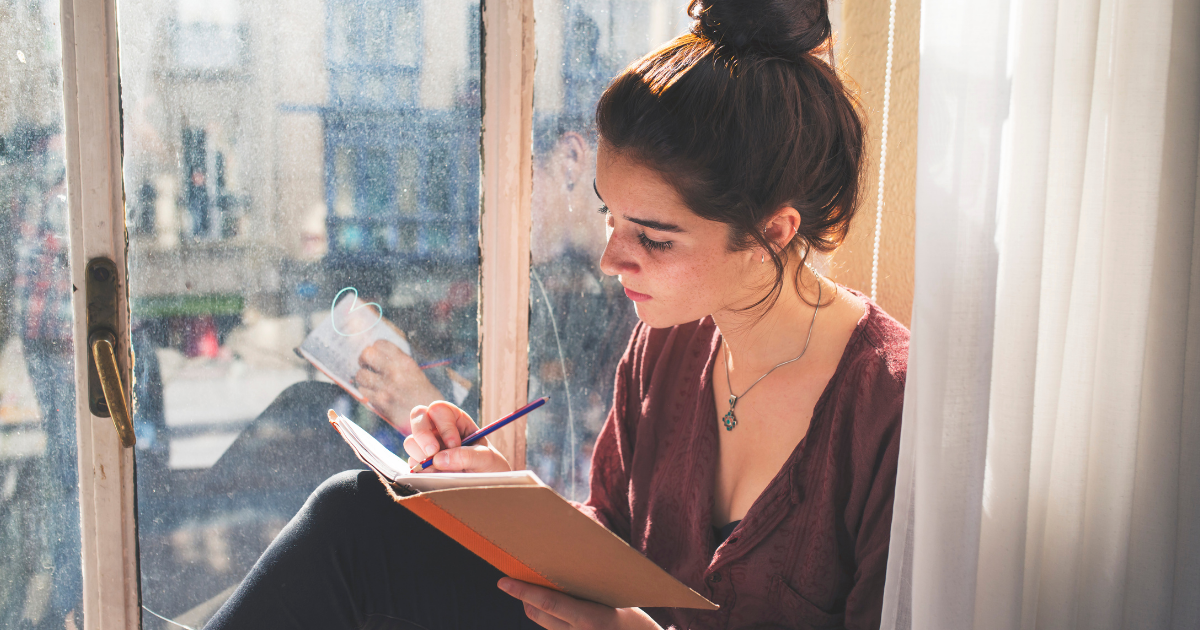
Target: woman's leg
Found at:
352, 558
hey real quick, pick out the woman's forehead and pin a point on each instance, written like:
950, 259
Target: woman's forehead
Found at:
622, 180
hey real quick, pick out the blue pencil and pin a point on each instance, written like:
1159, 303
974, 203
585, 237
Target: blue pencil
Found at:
485, 431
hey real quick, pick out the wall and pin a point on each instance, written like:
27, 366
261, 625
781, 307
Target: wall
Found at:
862, 52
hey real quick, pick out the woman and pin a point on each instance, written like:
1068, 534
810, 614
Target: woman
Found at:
751, 448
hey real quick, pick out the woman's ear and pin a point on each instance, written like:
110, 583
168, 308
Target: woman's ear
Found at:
782, 227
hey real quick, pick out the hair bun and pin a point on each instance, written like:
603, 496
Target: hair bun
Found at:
788, 29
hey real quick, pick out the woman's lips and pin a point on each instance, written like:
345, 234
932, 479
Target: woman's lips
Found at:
635, 296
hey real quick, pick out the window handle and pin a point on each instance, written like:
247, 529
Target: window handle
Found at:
106, 394
103, 344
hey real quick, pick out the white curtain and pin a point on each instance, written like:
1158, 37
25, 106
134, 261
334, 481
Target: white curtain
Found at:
1050, 459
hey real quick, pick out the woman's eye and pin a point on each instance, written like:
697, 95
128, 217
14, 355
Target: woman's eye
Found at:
603, 210
653, 245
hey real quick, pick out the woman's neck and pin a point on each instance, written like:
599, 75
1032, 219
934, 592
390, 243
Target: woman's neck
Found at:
759, 341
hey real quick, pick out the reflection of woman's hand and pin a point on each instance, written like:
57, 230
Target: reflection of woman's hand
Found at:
557, 611
393, 382
440, 428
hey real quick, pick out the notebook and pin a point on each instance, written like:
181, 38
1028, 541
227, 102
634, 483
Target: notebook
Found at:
526, 530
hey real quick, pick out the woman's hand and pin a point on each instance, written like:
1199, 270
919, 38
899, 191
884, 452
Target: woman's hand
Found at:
553, 610
439, 428
393, 382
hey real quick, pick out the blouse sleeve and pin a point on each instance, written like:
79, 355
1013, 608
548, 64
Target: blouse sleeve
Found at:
864, 604
612, 457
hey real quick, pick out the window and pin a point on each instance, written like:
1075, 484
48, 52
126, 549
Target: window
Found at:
579, 319
317, 158
271, 155
39, 500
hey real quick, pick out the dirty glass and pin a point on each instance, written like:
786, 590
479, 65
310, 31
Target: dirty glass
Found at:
579, 319
279, 155
40, 577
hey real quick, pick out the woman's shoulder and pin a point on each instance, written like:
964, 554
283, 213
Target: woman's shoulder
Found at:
865, 402
879, 342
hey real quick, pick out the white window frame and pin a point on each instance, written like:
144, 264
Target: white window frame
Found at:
506, 151
97, 218
97, 228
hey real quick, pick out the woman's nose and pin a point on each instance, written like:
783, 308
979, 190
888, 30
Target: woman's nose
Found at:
616, 259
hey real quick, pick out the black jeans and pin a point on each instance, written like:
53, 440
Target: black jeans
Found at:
352, 558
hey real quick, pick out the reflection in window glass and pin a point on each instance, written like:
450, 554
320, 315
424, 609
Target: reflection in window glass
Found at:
316, 145
579, 320
40, 577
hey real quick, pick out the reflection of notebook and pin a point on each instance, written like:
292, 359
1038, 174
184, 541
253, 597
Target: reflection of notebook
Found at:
334, 346
523, 528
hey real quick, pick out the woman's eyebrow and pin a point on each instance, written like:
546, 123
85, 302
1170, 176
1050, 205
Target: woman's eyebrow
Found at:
653, 225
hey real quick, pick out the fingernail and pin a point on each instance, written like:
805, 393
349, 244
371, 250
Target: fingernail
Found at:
429, 450
504, 584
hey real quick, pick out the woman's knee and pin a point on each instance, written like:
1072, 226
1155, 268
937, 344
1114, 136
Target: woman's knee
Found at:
345, 495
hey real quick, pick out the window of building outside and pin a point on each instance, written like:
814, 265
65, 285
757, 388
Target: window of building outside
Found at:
276, 154
579, 319
40, 577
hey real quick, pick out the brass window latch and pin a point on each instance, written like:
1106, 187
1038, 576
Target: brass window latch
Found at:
106, 394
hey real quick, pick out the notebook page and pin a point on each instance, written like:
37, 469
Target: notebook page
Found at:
393, 468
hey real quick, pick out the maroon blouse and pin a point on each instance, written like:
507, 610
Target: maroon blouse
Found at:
812, 550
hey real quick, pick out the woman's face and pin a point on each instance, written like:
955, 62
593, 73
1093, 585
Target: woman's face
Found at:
674, 265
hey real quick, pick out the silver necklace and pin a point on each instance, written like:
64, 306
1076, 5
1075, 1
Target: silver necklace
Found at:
729, 418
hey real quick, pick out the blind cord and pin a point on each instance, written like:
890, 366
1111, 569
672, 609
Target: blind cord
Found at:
883, 142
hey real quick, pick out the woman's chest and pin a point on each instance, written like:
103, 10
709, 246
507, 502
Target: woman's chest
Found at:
757, 435
786, 564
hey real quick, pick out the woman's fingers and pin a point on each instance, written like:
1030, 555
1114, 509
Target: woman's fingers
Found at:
544, 619
441, 426
415, 454
450, 422
549, 609
546, 607
470, 459
424, 433
557, 611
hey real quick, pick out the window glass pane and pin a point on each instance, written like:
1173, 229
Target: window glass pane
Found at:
579, 320
40, 578
278, 154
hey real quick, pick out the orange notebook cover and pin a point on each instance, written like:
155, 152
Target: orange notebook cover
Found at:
526, 530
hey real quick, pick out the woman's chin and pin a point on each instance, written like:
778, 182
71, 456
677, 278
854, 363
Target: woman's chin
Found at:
656, 318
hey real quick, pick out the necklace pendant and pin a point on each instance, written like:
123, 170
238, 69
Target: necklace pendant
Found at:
729, 419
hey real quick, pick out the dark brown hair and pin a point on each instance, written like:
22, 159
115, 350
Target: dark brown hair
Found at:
743, 116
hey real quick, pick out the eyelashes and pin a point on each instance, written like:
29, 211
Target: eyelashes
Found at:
653, 245
647, 242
